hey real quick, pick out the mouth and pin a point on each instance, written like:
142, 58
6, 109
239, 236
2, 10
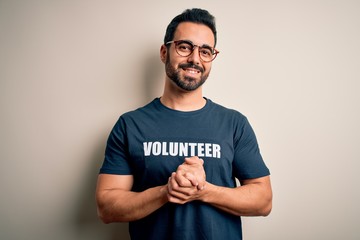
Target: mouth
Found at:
191, 69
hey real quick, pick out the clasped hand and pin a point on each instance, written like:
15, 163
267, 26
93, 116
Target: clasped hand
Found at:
187, 182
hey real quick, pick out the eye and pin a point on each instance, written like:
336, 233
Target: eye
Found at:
185, 47
206, 52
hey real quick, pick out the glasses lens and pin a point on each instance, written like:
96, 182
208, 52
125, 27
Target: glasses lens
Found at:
184, 48
206, 54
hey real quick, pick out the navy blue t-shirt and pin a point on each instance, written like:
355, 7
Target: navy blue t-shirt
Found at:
151, 142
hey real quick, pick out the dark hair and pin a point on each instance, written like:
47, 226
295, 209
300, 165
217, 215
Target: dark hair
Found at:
194, 15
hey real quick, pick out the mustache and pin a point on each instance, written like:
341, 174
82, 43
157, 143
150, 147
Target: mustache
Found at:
189, 65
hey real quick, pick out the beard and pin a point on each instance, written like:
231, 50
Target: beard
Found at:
186, 83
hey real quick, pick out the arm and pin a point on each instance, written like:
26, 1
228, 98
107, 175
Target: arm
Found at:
252, 198
117, 203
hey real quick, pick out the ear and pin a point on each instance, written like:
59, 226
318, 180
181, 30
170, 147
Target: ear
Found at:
163, 53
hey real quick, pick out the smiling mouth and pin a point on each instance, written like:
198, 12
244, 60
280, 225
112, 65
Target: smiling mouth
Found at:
191, 70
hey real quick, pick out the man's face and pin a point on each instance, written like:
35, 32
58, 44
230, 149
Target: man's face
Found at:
189, 73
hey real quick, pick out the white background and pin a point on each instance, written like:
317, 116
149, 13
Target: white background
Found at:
68, 69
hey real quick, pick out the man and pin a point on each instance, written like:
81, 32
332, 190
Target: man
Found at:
170, 167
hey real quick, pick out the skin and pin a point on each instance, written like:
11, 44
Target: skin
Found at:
175, 97
115, 200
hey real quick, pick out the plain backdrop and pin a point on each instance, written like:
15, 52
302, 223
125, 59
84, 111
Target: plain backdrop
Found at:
68, 69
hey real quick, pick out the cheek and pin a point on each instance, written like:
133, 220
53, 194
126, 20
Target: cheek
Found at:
170, 59
207, 68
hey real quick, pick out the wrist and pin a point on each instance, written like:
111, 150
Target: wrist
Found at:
163, 191
207, 193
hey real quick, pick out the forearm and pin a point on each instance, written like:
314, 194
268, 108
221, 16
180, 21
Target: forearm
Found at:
117, 205
247, 200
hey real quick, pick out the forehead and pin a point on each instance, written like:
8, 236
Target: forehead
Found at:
199, 34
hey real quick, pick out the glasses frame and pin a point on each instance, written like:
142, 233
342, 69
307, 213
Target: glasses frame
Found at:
176, 42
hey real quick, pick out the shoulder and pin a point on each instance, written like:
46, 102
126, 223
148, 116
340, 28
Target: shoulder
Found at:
226, 112
140, 112
134, 117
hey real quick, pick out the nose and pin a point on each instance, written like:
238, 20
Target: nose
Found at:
194, 57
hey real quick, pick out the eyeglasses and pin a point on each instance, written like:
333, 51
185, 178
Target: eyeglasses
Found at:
185, 48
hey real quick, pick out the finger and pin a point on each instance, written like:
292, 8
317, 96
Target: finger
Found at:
174, 186
174, 199
201, 186
175, 189
182, 180
182, 196
169, 185
194, 160
191, 177
185, 177
196, 169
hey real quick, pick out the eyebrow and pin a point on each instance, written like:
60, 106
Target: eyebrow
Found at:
203, 46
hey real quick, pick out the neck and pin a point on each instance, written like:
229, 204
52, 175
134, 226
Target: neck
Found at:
182, 100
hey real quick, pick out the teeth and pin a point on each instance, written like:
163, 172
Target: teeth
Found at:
192, 71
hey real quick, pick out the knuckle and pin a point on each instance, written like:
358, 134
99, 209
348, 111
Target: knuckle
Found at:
181, 167
188, 175
174, 188
182, 182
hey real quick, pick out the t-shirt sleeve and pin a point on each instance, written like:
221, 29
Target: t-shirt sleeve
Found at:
116, 159
248, 162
